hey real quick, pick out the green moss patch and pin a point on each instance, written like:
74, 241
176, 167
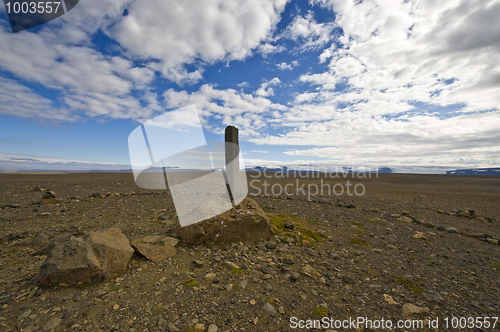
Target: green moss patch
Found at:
321, 312
190, 282
417, 290
360, 241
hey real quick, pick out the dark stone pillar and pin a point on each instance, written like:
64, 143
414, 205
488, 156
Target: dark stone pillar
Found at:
232, 158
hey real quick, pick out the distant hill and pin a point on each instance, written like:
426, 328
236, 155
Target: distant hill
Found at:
475, 171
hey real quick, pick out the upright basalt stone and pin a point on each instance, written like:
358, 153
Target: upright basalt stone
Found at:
246, 222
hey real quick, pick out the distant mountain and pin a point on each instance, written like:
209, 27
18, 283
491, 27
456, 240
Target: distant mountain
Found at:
475, 171
317, 169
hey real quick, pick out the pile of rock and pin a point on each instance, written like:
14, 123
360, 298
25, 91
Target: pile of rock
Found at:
246, 222
49, 198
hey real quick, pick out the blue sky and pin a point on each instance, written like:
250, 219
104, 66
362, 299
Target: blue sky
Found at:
383, 83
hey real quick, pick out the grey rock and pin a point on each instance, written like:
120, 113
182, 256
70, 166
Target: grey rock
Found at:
254, 274
156, 248
269, 309
283, 248
24, 315
210, 275
85, 257
230, 265
268, 270
410, 309
173, 328
213, 328
289, 261
433, 297
8, 216
271, 244
311, 252
294, 276
52, 324
243, 284
41, 238
451, 230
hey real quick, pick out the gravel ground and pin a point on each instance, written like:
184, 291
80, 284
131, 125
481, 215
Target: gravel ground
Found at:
413, 247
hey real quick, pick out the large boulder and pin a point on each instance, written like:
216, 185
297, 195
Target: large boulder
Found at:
85, 257
156, 248
246, 222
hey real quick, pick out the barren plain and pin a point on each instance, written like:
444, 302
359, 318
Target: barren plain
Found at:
413, 247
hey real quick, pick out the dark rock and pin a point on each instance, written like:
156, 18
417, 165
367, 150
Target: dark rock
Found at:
268, 270
289, 224
294, 276
348, 279
49, 194
271, 244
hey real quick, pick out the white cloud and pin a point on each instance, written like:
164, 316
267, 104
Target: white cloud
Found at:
286, 66
308, 33
89, 82
229, 107
177, 32
23, 162
265, 89
19, 100
174, 34
407, 83
267, 49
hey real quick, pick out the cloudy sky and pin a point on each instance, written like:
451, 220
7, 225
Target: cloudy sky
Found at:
374, 82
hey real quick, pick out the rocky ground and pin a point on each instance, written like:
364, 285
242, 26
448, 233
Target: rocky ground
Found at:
414, 247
